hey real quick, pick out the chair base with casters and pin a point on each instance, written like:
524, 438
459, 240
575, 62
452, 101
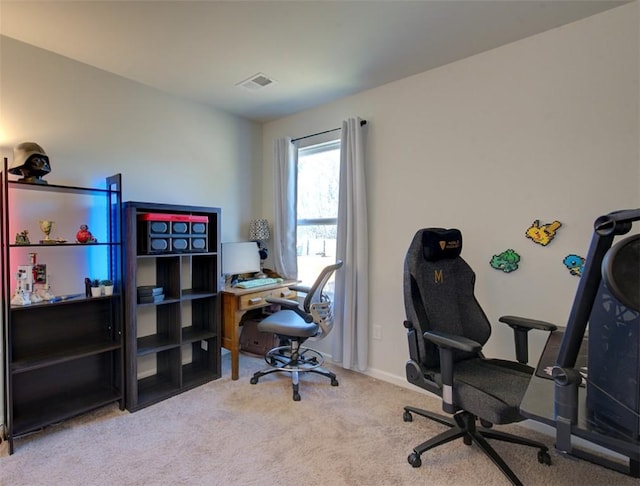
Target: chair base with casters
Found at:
464, 425
294, 359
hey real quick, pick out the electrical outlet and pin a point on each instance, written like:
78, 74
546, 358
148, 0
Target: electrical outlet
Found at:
204, 345
377, 332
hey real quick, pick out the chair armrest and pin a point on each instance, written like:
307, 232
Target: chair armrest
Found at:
446, 344
452, 341
305, 289
521, 327
515, 321
293, 305
288, 303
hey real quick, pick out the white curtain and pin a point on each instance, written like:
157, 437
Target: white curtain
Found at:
285, 159
352, 281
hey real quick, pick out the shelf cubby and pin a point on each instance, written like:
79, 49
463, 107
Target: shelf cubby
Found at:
202, 364
163, 381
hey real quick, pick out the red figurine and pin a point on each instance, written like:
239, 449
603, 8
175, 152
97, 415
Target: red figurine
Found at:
84, 235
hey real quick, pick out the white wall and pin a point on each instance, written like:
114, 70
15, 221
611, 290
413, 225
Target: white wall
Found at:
93, 124
544, 128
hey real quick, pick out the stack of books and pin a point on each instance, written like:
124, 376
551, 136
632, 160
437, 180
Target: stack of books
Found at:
150, 294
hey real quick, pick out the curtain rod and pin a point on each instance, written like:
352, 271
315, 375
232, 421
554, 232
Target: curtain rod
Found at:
362, 123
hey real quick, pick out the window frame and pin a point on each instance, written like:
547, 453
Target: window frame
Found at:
310, 147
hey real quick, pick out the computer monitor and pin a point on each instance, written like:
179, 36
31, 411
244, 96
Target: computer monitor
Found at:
240, 257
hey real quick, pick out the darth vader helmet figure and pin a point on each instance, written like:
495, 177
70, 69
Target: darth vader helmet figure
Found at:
31, 162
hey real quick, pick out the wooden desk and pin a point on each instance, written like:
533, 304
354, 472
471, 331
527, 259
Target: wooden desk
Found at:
237, 301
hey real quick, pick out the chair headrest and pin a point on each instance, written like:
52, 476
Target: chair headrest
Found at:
440, 243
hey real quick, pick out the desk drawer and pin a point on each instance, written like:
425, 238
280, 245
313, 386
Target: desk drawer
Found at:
258, 299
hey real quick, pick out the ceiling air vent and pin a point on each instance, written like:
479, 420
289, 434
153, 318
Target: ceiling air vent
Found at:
255, 82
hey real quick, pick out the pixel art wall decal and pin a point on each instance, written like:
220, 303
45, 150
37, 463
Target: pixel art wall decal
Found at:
507, 261
574, 264
542, 234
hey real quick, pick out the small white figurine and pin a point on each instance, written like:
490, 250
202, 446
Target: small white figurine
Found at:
20, 298
45, 291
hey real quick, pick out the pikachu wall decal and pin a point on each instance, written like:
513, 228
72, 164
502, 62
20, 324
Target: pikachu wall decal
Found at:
542, 234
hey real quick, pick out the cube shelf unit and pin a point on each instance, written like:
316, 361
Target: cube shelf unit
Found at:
64, 357
172, 345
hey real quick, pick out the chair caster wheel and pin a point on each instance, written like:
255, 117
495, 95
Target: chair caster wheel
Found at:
486, 424
544, 458
467, 440
296, 397
253, 380
414, 459
334, 382
407, 417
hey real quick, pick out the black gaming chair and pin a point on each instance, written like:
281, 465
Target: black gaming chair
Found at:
296, 323
446, 330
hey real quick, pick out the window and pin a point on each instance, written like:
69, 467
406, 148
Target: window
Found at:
317, 208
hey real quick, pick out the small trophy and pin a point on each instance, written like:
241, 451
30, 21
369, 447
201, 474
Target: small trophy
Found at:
46, 227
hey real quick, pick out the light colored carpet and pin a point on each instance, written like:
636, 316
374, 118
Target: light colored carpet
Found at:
228, 433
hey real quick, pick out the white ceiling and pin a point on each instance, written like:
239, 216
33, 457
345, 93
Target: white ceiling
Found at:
316, 51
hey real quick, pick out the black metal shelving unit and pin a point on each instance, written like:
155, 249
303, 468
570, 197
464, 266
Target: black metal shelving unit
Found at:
62, 358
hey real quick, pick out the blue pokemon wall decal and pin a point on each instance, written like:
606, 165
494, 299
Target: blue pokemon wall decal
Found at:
542, 235
574, 264
507, 261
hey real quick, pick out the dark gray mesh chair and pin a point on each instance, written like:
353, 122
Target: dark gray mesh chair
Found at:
446, 330
296, 323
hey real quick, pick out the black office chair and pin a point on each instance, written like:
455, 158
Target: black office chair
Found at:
446, 330
296, 323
